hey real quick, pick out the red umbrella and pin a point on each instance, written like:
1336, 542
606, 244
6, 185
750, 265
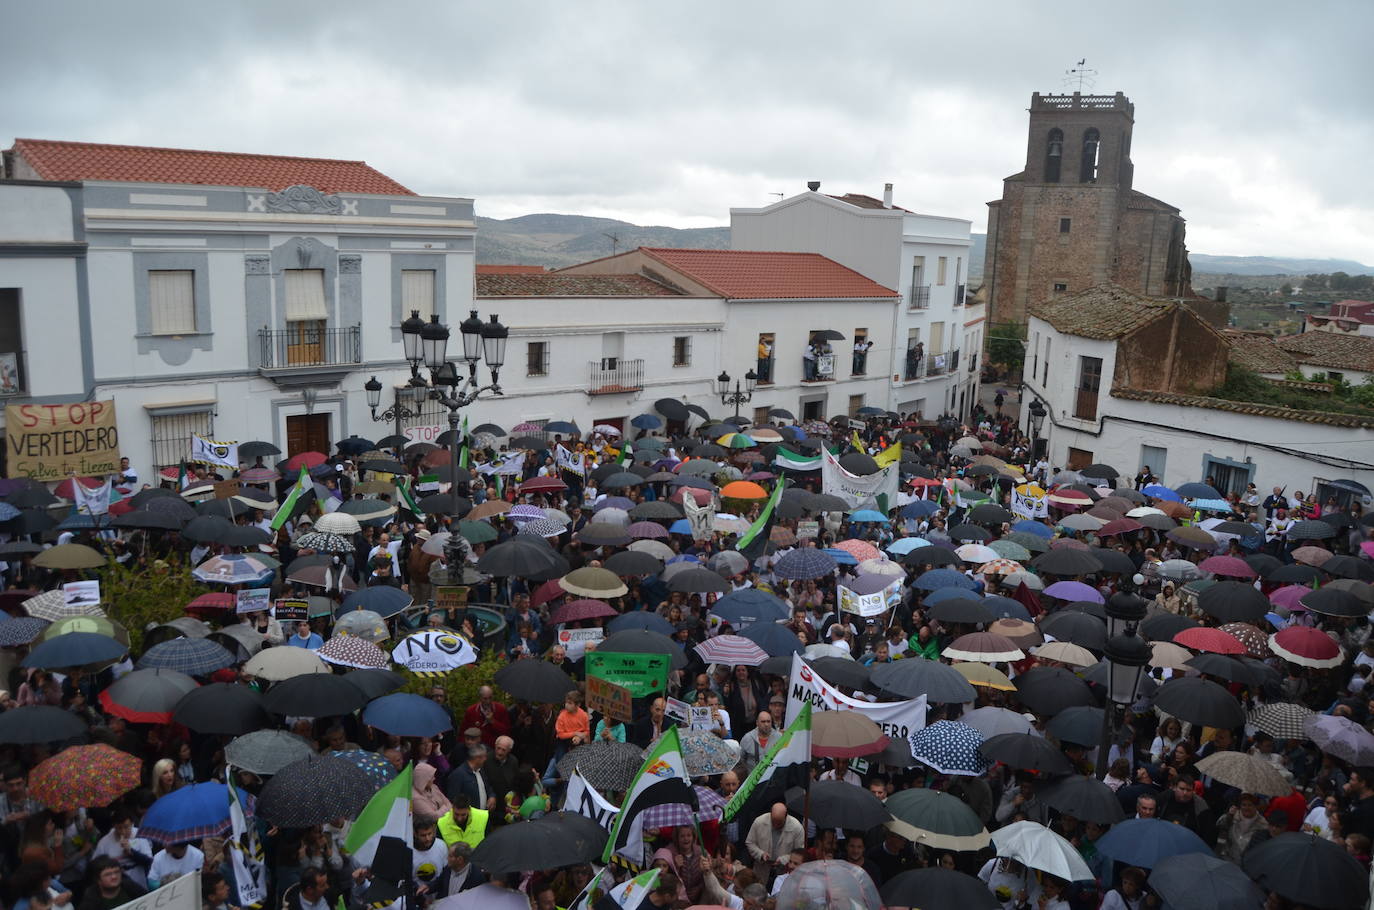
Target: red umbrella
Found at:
305, 459
542, 485
214, 602
584, 608
1232, 566
83, 777
65, 490
701, 496
549, 590
1119, 526
1306, 646
1203, 638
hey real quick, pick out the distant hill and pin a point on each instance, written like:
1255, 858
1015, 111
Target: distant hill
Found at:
558, 240
1274, 265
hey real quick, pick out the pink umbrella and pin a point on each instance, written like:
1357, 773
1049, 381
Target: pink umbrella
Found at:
1216, 641
1119, 526
859, 549
1288, 596
1074, 590
647, 530
1368, 548
1232, 566
1068, 543
735, 650
581, 609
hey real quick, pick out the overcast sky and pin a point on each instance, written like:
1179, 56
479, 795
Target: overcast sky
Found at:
1255, 118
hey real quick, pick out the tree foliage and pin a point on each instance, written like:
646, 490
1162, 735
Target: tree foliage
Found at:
1007, 345
139, 596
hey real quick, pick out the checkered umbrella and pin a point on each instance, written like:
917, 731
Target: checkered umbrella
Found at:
50, 606
804, 564
192, 656
351, 651
607, 766
950, 748
267, 751
1282, 720
670, 815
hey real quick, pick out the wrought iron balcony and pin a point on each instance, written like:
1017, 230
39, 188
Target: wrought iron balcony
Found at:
614, 375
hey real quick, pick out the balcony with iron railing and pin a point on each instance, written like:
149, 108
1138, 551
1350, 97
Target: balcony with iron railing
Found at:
919, 299
928, 366
309, 344
614, 375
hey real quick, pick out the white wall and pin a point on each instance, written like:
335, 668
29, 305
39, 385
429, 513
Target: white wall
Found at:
862, 239
34, 214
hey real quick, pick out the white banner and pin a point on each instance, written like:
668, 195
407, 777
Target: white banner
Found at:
88, 501
856, 490
701, 518
507, 464
246, 856
181, 893
582, 798
870, 604
567, 461
214, 453
1025, 505
898, 719
574, 641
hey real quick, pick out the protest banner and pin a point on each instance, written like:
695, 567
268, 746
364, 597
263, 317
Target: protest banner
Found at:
574, 641
702, 718
897, 719
80, 593
855, 489
52, 441
182, 893
291, 610
611, 700
870, 604
677, 709
253, 600
807, 530
227, 488
582, 798
1028, 501
642, 674
450, 597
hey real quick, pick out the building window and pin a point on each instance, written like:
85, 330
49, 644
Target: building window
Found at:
682, 351
1054, 155
1065, 224
765, 358
417, 292
1332, 376
1089, 380
1060, 287
11, 343
172, 436
172, 301
1155, 458
1045, 380
855, 402
1087, 168
940, 269
861, 347
1079, 459
306, 316
537, 358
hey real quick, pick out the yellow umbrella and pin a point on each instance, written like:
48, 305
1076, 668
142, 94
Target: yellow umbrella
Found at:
69, 556
985, 676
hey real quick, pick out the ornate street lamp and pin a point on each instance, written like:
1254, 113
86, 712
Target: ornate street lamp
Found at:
1126, 655
737, 397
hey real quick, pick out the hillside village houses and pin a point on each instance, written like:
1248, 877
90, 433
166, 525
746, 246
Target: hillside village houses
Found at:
238, 296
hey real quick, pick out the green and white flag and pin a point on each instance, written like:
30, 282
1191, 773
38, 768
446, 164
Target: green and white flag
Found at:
752, 542
298, 489
792, 750
785, 458
626, 455
662, 780
387, 814
246, 857
406, 495
631, 892
464, 455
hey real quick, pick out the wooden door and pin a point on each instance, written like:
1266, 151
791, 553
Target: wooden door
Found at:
307, 433
305, 342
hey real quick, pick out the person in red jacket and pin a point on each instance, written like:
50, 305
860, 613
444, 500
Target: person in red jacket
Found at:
1293, 805
489, 716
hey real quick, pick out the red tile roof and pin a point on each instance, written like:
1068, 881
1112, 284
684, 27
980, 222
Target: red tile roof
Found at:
745, 275
559, 284
54, 160
511, 269
1331, 418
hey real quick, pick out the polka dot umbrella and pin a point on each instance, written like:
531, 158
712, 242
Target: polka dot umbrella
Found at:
950, 748
352, 651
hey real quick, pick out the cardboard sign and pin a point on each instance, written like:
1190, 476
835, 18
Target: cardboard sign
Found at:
253, 600
81, 593
614, 701
677, 709
450, 597
808, 529
182, 893
224, 489
702, 718
642, 674
574, 641
52, 441
291, 610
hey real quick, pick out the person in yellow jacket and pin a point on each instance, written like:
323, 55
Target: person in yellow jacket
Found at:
463, 823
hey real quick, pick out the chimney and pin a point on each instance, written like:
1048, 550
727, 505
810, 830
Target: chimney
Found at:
814, 186
1220, 295
887, 195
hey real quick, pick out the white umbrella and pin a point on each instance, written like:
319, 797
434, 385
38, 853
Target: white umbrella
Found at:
612, 516
434, 652
976, 553
823, 650
1037, 847
1029, 579
882, 567
729, 523
605, 429
1140, 511
338, 523
276, 664
655, 548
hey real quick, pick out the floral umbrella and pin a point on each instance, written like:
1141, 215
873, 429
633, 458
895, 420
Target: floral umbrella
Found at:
83, 777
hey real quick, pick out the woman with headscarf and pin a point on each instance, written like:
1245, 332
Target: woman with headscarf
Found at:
426, 799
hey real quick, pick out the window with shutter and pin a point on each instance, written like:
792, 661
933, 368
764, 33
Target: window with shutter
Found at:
305, 295
172, 301
417, 292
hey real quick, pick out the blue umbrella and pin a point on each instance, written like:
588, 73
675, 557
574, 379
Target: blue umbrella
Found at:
868, 515
561, 426
646, 422
8, 511
1033, 527
750, 605
1004, 607
1212, 505
904, 545
950, 592
949, 747
406, 714
683, 557
192, 656
189, 814
921, 508
1197, 491
382, 600
1145, 841
75, 649
944, 578
21, 631
681, 526
804, 564
842, 557
640, 619
1159, 491
777, 640
378, 770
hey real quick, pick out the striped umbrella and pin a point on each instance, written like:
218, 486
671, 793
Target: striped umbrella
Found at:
983, 647
352, 651
735, 650
669, 815
84, 777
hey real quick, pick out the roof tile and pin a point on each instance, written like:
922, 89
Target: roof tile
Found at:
57, 160
1257, 351
557, 284
1104, 312
1331, 349
748, 275
1331, 418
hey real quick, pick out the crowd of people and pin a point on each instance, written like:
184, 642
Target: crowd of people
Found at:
499, 765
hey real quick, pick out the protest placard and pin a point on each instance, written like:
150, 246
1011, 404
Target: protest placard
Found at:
291, 610
642, 674
253, 600
81, 593
611, 700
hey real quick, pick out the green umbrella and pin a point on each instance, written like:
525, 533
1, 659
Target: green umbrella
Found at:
476, 531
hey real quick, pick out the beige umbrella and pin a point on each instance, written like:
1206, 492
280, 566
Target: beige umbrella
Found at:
882, 566
845, 734
1246, 773
1023, 634
489, 509
100, 625
276, 664
765, 434
50, 605
593, 581
1167, 654
655, 548
338, 523
983, 647
69, 556
1066, 653
375, 488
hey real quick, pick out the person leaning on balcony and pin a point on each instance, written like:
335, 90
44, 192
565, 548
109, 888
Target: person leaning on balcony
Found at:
809, 361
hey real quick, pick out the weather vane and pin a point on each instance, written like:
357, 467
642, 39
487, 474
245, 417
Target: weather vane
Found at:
1080, 74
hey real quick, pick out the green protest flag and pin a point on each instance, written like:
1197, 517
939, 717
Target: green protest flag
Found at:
642, 674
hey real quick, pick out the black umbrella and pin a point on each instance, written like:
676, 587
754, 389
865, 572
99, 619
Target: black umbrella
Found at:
1295, 574
1198, 491
860, 463
314, 695
257, 447
1065, 561
148, 520
633, 562
39, 724
657, 510
1077, 628
32, 497
1200, 701
603, 534
1311, 530
671, 408
230, 508
1333, 602
1081, 725
206, 528
1164, 626
1085, 798
522, 555
941, 683
561, 839
934, 556
142, 498
1100, 470
19, 548
1049, 690
839, 804
535, 681
698, 581
394, 441
1311, 871
1025, 752
1201, 881
841, 671
937, 888
699, 411
961, 610
528, 442
75, 649
828, 335
226, 709
989, 513
1233, 601
314, 790
445, 504
1113, 561
781, 412
384, 465
1262, 563
30, 521
374, 682
642, 641
1227, 668
969, 532
1349, 567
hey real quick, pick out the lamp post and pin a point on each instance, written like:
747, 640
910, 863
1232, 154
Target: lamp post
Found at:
427, 343
1037, 419
1126, 655
409, 400
736, 397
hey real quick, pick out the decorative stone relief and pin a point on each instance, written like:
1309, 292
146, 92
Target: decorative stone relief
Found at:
257, 265
350, 206
304, 200
257, 202
350, 265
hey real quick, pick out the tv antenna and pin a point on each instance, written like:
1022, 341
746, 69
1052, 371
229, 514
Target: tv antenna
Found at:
615, 241
1079, 75
779, 195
